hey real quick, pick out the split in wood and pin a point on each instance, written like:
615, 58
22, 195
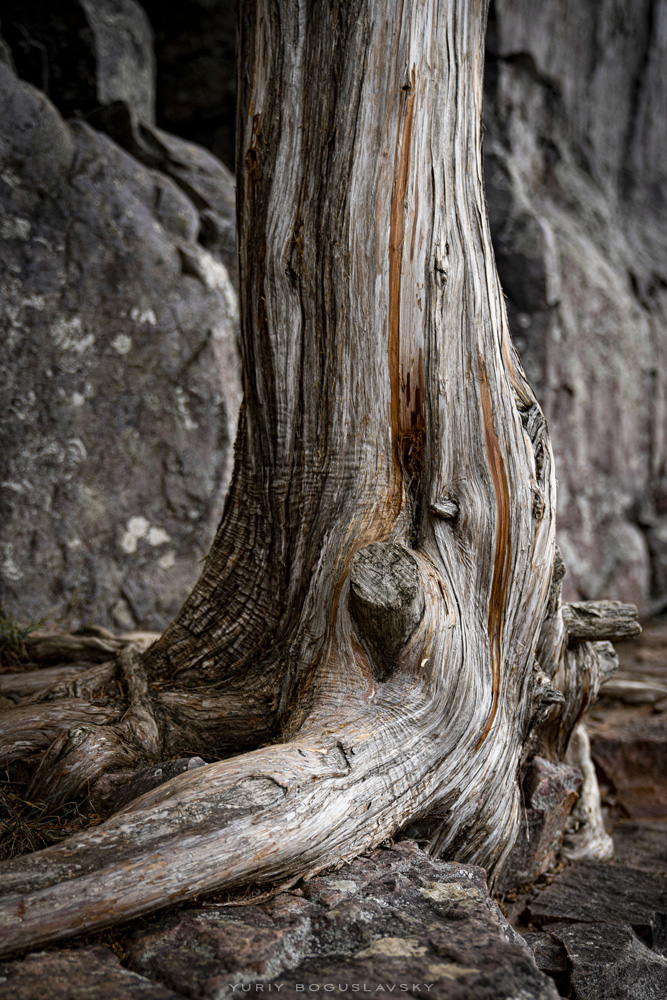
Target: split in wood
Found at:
386, 602
592, 620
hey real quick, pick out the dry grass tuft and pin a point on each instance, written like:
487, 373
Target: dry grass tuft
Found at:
27, 826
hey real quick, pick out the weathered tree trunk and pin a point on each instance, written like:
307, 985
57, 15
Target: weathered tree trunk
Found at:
382, 598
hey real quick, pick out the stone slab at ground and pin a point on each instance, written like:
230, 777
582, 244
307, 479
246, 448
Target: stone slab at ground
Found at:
395, 922
599, 930
604, 925
76, 974
628, 729
642, 843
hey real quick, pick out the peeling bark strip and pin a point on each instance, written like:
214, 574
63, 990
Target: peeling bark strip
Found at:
378, 612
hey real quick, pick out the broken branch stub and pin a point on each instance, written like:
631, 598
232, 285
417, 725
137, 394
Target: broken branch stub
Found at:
386, 602
593, 620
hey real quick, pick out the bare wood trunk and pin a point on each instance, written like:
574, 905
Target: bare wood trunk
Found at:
382, 597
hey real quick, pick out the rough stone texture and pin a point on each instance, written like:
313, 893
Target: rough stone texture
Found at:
206, 182
550, 790
551, 958
395, 918
576, 155
605, 893
611, 962
119, 382
633, 759
76, 974
603, 932
395, 922
84, 53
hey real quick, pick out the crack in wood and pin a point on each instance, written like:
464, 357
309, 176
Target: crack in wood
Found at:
407, 436
503, 552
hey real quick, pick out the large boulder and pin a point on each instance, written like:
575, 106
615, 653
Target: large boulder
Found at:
120, 382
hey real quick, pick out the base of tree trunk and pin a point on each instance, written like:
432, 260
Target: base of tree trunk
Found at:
377, 635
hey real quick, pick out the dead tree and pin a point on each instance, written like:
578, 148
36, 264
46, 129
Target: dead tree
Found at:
377, 634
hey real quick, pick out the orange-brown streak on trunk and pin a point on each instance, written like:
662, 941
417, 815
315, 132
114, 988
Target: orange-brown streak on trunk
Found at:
396, 238
503, 554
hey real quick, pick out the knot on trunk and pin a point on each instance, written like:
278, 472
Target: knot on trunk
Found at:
386, 602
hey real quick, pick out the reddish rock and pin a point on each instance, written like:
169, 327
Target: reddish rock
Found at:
550, 790
633, 760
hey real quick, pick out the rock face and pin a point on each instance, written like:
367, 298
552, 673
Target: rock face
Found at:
120, 383
396, 922
576, 165
84, 53
195, 45
603, 925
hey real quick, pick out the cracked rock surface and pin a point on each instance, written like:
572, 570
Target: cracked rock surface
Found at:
394, 922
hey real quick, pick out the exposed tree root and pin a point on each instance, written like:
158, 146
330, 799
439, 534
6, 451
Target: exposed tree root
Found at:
586, 838
335, 789
78, 756
30, 729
